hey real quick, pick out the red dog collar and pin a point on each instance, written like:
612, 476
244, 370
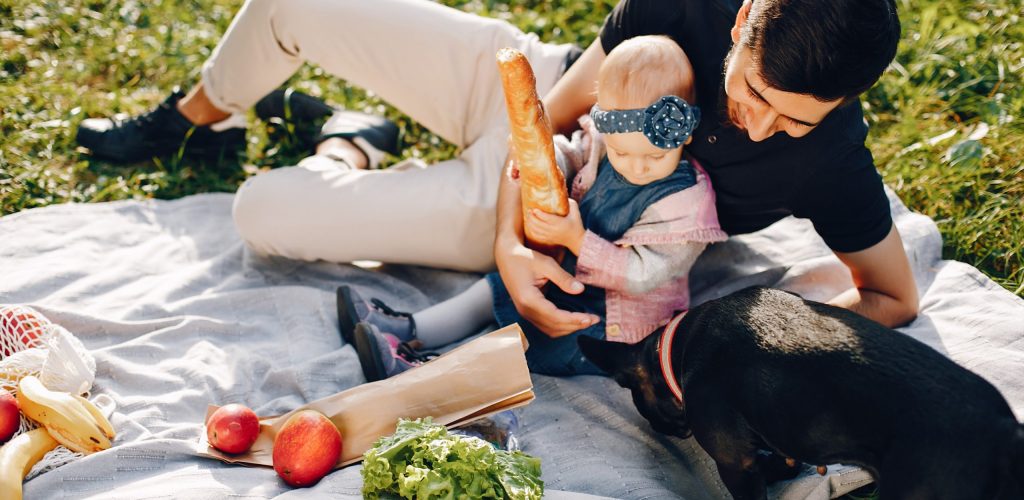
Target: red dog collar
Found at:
665, 356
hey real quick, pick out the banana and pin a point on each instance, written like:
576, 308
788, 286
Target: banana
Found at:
101, 420
73, 421
17, 458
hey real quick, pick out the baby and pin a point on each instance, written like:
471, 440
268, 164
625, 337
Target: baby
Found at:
640, 213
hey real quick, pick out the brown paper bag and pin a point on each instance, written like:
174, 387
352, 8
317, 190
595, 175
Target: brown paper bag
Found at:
480, 378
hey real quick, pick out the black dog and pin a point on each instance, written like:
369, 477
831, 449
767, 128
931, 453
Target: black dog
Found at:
767, 377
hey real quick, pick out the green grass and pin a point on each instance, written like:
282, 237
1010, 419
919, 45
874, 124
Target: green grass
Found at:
959, 70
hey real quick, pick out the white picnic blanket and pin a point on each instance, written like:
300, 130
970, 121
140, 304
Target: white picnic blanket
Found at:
179, 314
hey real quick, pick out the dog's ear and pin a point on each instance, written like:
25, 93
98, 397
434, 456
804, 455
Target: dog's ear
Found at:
618, 359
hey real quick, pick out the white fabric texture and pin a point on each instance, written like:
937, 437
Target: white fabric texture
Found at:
178, 314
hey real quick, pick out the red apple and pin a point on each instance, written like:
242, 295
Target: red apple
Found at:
233, 428
24, 323
9, 416
306, 448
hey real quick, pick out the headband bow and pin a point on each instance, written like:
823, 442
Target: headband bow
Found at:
667, 123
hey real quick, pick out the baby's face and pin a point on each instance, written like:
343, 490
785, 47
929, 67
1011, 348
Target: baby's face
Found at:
639, 161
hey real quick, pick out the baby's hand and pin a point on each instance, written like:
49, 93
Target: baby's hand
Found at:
551, 229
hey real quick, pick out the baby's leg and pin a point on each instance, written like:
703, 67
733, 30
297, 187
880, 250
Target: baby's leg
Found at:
455, 318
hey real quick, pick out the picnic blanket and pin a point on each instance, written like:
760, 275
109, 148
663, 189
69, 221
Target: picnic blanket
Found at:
179, 314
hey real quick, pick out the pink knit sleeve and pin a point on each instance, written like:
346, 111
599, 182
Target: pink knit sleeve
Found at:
602, 263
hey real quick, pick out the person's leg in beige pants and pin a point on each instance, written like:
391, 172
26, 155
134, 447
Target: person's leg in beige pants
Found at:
435, 64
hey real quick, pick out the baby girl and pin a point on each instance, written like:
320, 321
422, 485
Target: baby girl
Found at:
641, 212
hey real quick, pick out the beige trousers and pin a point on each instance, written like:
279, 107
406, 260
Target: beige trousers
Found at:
435, 64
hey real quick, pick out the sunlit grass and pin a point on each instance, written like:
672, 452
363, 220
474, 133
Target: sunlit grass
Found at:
946, 118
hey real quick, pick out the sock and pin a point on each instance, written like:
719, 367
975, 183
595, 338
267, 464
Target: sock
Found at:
455, 318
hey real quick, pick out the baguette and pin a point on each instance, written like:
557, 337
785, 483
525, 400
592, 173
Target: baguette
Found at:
542, 183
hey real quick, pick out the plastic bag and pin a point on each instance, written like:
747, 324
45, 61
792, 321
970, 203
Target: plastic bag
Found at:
500, 430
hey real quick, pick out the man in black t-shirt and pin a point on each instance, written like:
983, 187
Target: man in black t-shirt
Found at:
782, 134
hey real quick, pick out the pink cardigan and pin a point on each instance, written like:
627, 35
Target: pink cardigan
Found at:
681, 218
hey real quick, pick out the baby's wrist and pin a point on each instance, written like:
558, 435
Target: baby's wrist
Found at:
575, 243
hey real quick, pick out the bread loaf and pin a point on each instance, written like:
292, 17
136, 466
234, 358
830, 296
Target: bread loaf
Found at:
542, 183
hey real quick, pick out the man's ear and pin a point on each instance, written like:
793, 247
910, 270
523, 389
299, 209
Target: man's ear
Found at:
741, 19
618, 359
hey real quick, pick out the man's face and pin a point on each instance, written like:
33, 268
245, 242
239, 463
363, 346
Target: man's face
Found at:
763, 111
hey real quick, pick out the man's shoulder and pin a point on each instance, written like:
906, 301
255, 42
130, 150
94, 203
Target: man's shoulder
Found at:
674, 18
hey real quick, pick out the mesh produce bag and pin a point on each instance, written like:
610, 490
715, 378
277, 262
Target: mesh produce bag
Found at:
23, 334
31, 345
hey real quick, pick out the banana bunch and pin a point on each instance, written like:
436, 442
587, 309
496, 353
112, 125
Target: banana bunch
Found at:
72, 420
17, 458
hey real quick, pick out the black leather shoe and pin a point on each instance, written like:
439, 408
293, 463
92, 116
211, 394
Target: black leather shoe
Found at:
292, 106
378, 131
160, 132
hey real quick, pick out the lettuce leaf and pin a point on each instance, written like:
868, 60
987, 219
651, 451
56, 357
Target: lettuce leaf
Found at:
421, 460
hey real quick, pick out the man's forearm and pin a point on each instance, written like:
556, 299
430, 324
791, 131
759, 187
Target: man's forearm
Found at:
882, 308
575, 92
885, 289
509, 215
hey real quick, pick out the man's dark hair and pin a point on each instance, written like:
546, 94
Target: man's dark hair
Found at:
830, 49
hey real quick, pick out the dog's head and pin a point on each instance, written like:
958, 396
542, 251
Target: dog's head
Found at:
636, 368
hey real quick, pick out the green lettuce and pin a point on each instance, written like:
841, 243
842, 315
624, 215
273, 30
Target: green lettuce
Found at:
421, 460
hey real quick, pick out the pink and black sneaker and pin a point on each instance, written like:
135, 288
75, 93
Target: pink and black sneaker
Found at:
354, 309
384, 355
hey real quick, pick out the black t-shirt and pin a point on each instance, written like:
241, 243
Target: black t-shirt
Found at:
827, 176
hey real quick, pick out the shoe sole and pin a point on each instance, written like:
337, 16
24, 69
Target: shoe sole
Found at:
228, 150
346, 323
369, 354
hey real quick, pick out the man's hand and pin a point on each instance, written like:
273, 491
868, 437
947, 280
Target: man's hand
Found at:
551, 229
885, 289
524, 272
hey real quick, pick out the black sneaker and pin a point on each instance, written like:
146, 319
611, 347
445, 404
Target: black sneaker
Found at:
160, 132
292, 106
316, 121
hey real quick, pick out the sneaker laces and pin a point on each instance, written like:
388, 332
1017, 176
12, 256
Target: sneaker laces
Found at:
386, 309
156, 115
412, 355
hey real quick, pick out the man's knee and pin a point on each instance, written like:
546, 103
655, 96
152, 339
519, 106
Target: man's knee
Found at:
253, 210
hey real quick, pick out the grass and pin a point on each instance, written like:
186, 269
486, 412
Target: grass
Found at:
946, 119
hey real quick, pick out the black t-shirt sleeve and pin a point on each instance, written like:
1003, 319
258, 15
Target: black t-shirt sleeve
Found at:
631, 18
847, 204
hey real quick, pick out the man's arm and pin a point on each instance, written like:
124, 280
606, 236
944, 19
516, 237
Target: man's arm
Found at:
576, 92
885, 289
522, 270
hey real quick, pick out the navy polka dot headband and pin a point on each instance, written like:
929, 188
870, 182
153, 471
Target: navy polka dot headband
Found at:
667, 123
